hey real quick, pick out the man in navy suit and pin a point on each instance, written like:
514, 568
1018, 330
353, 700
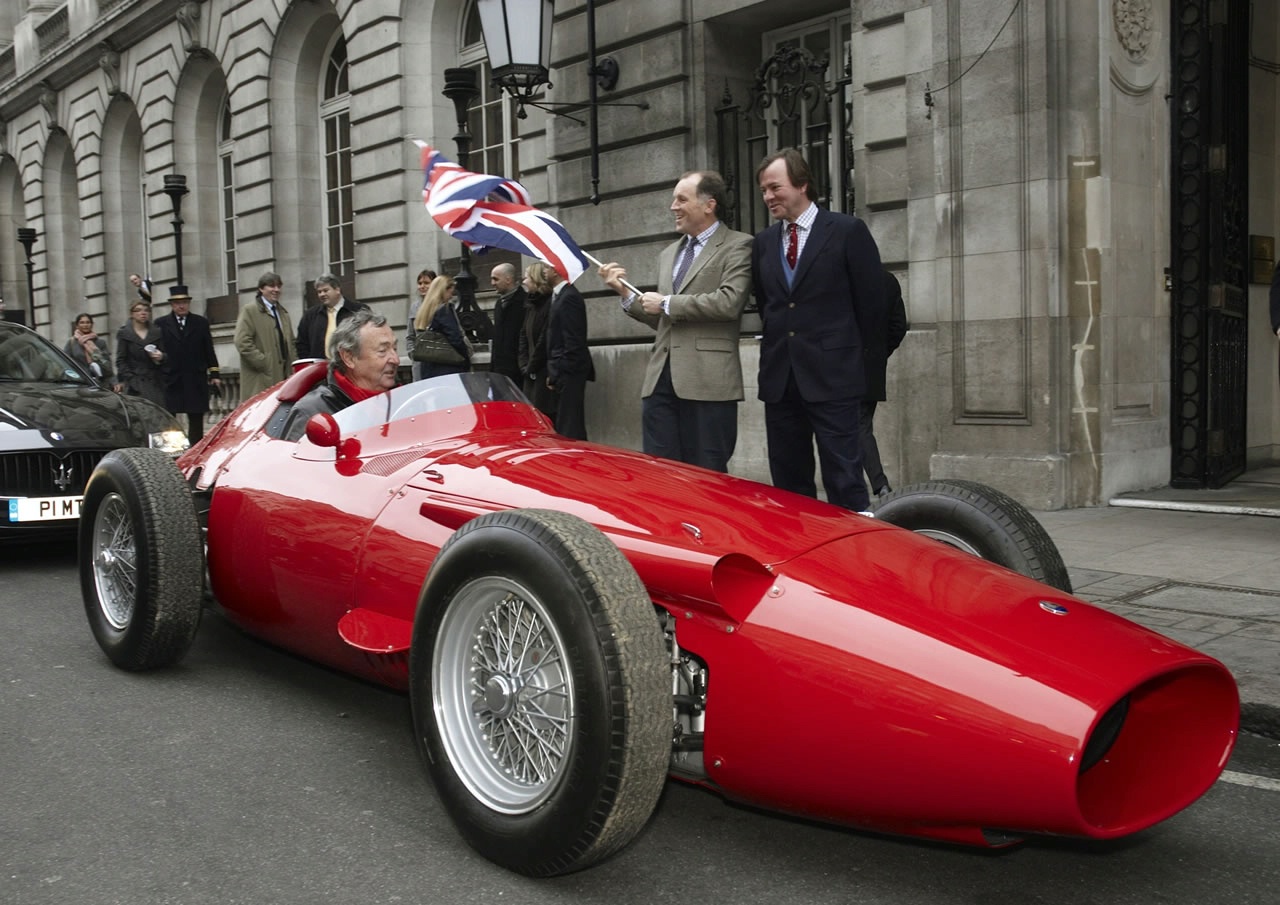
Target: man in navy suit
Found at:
817, 279
569, 364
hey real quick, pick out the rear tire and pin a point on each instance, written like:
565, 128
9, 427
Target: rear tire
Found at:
540, 691
979, 520
141, 559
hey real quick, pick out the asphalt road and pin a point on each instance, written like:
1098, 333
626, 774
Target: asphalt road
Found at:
248, 776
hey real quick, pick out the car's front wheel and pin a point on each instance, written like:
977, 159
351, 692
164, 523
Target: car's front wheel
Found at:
141, 559
540, 691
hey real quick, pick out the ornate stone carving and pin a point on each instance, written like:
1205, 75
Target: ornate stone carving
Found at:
49, 101
188, 16
1133, 21
109, 63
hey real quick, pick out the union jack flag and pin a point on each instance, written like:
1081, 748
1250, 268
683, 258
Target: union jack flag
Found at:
492, 211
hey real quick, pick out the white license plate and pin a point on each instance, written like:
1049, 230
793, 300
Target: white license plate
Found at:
44, 509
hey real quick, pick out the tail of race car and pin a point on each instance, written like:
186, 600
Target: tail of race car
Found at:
937, 695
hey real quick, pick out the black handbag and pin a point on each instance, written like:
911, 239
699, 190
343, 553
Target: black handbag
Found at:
435, 348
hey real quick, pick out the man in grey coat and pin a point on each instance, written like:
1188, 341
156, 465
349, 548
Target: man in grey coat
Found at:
264, 338
693, 381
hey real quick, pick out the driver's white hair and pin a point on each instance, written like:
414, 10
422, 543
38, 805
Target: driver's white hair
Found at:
346, 336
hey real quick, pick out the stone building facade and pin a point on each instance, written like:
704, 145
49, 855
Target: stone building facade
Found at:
1024, 165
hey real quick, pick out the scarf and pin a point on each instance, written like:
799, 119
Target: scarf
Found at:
354, 393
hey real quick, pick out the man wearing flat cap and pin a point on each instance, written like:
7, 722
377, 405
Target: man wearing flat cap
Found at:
190, 365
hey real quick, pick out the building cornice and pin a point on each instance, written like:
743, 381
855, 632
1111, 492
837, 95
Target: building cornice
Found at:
122, 26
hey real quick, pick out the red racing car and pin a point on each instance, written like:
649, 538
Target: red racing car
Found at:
575, 623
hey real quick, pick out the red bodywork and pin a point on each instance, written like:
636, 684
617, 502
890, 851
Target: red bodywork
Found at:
857, 673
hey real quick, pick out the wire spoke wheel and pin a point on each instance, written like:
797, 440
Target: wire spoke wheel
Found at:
141, 559
540, 686
115, 561
503, 694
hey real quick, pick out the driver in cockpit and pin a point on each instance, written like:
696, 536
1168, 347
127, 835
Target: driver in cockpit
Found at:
363, 361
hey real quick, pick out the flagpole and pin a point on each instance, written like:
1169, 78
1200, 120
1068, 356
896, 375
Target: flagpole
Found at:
596, 261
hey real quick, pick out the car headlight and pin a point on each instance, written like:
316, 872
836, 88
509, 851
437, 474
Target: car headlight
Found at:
172, 442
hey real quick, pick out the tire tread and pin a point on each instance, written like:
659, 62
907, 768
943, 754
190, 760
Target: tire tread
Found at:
1039, 555
639, 705
170, 558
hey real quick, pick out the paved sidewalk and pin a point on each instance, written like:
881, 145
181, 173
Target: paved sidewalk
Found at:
1208, 578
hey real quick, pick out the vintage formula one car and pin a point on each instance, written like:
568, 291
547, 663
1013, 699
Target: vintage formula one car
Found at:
574, 623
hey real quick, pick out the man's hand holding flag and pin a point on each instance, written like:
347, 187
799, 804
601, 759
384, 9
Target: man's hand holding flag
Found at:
486, 210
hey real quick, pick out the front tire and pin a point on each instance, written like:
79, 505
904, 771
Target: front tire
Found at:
540, 691
141, 559
979, 520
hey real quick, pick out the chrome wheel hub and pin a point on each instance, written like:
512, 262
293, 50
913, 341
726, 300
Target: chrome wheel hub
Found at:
503, 696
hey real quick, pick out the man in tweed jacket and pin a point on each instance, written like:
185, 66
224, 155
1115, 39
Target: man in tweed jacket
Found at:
693, 381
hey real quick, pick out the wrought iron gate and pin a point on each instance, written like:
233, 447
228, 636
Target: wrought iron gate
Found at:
790, 104
1210, 243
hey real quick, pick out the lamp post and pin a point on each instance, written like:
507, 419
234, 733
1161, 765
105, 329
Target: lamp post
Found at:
175, 186
27, 238
461, 88
517, 38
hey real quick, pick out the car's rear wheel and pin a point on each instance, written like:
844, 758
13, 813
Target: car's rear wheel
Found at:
979, 520
540, 691
141, 559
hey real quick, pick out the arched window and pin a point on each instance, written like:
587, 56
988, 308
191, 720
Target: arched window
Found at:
496, 133
335, 124
227, 198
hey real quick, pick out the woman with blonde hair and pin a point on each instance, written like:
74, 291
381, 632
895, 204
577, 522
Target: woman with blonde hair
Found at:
437, 314
532, 357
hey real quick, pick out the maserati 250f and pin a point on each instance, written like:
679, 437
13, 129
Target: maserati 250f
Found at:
575, 623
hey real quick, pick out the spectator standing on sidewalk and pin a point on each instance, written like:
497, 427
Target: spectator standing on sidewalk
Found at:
508, 321
87, 348
264, 338
138, 356
876, 354
817, 276
693, 382
533, 339
569, 364
190, 364
318, 322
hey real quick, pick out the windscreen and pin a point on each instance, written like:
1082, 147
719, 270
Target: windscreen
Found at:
424, 396
26, 356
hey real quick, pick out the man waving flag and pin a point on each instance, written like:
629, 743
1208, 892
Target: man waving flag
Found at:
492, 211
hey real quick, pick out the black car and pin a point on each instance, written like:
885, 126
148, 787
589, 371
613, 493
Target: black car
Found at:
56, 422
